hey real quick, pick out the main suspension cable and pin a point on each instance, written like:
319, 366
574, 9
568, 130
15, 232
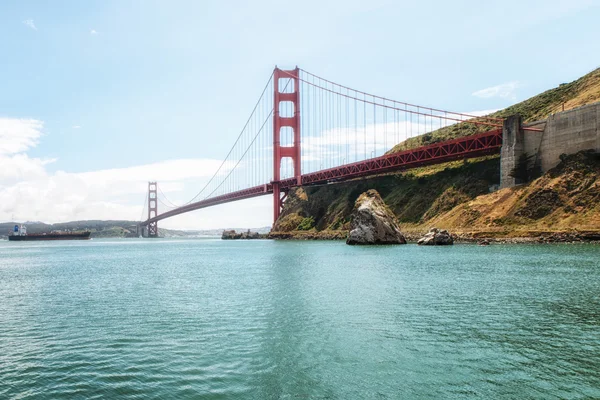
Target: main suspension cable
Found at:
458, 117
248, 148
236, 141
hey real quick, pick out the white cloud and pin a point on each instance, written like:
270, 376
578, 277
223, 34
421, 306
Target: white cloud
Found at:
29, 191
482, 113
117, 193
333, 147
338, 146
504, 90
20, 167
29, 23
19, 135
93, 32
76, 126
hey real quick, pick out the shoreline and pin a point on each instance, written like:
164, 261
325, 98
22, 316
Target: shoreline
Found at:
531, 237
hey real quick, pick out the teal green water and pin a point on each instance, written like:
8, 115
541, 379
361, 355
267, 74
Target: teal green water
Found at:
169, 319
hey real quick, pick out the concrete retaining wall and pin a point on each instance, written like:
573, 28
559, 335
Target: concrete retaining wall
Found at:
565, 132
569, 132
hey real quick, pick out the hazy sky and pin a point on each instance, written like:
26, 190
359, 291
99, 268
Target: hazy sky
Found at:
98, 97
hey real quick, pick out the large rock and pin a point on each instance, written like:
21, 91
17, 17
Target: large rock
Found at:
372, 222
232, 234
436, 237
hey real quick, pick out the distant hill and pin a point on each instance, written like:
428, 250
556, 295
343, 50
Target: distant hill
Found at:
585, 90
112, 229
99, 229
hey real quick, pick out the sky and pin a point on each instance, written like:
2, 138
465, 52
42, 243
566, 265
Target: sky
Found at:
99, 97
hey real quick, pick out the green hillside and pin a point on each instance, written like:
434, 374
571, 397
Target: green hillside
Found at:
585, 90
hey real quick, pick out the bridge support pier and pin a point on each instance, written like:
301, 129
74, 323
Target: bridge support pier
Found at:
152, 209
512, 149
291, 95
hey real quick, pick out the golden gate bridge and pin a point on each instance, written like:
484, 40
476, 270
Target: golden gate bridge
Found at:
307, 130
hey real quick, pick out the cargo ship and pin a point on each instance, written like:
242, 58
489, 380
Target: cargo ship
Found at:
19, 233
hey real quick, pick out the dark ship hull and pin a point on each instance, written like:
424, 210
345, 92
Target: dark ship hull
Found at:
51, 236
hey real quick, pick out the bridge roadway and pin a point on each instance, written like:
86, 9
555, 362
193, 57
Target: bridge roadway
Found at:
456, 149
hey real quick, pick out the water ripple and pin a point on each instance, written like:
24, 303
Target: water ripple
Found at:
271, 320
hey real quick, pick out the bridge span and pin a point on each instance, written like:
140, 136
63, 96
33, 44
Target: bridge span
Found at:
306, 130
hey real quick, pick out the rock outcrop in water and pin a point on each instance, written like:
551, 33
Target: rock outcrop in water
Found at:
372, 222
232, 234
436, 237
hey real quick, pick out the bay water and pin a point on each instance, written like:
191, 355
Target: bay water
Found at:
212, 319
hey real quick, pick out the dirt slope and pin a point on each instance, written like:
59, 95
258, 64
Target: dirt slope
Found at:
565, 198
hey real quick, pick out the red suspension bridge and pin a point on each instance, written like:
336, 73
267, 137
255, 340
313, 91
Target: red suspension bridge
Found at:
306, 130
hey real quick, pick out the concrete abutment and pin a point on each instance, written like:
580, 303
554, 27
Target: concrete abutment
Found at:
566, 132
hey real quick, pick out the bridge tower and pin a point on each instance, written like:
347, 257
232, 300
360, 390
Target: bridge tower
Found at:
292, 95
152, 209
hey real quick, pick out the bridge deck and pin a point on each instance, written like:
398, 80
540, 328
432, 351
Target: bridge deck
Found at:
466, 147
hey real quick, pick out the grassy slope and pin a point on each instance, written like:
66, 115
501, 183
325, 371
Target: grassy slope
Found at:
455, 195
585, 90
414, 196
